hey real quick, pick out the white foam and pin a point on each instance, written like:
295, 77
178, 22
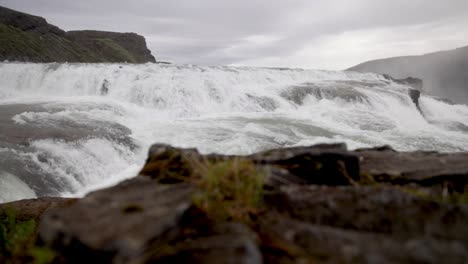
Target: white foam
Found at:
12, 188
87, 164
231, 110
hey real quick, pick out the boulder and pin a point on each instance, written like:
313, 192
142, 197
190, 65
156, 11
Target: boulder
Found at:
422, 168
116, 224
27, 23
220, 243
320, 164
317, 243
383, 210
34, 208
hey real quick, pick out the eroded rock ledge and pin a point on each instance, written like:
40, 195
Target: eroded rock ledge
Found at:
320, 204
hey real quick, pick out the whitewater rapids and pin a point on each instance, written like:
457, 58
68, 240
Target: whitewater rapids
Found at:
66, 129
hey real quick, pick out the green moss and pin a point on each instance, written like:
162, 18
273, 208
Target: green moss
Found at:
17, 241
13, 234
170, 167
229, 190
458, 197
16, 43
366, 179
115, 51
420, 193
41, 255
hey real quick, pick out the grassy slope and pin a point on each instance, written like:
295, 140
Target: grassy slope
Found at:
18, 45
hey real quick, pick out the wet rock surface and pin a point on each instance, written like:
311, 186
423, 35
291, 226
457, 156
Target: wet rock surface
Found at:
122, 221
422, 168
385, 210
35, 208
320, 204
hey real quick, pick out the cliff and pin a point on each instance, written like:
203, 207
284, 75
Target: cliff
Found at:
445, 73
319, 204
29, 38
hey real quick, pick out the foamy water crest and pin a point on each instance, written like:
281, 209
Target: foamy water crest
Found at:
93, 123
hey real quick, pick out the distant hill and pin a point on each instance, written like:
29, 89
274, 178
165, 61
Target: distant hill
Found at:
29, 38
444, 73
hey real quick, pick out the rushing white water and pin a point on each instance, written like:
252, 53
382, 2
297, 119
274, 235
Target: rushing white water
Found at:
70, 128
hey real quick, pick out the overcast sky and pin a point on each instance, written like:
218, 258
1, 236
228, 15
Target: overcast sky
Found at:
320, 34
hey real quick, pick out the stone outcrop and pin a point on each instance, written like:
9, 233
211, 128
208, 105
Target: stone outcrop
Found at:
134, 45
28, 23
29, 38
421, 168
35, 208
320, 204
414, 92
443, 72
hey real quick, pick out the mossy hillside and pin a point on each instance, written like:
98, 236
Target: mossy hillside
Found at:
113, 51
17, 45
31, 39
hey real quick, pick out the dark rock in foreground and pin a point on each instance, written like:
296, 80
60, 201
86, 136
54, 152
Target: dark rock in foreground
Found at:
320, 204
29, 38
35, 208
433, 169
122, 222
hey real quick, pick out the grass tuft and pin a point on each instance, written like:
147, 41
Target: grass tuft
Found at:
229, 190
17, 241
13, 234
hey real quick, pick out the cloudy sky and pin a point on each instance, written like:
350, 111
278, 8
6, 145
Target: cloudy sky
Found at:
321, 34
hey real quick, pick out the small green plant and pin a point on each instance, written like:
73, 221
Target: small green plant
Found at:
458, 197
41, 255
229, 190
17, 241
14, 234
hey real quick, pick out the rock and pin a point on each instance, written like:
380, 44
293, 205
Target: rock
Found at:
105, 87
314, 208
298, 93
167, 164
223, 243
29, 38
27, 23
114, 46
416, 83
414, 92
321, 164
414, 95
443, 72
34, 208
116, 224
312, 243
422, 168
384, 210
